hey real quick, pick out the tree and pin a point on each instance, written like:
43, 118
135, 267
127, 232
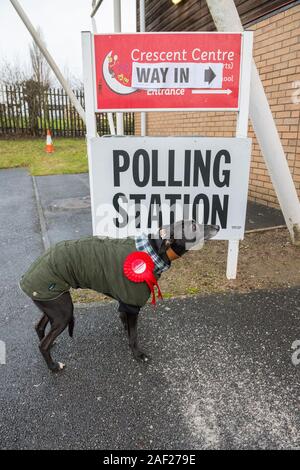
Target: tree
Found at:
36, 87
13, 73
41, 72
26, 88
75, 82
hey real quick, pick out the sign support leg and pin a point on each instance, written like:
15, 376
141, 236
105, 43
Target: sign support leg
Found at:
118, 29
91, 126
241, 131
232, 259
142, 30
109, 115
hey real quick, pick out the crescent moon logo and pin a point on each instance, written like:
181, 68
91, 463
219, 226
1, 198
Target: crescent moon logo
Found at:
111, 81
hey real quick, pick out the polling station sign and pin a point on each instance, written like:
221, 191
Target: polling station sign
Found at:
141, 183
167, 71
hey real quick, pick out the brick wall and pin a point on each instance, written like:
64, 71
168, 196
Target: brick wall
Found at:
277, 55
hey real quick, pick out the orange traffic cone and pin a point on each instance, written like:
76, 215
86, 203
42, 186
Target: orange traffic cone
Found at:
49, 143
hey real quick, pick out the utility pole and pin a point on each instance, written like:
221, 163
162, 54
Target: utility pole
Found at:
226, 18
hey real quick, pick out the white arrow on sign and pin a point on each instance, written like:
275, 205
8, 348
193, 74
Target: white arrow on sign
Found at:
204, 92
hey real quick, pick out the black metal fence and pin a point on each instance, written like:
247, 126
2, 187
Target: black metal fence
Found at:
31, 112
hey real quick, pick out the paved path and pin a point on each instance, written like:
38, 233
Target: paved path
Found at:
221, 374
65, 202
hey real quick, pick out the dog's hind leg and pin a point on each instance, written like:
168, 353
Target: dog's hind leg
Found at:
40, 327
57, 328
60, 314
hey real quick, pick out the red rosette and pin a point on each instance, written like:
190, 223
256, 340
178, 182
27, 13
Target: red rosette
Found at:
138, 267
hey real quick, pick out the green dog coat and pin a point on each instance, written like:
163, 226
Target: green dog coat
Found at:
88, 263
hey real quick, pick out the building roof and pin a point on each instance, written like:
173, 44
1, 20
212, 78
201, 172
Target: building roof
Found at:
193, 15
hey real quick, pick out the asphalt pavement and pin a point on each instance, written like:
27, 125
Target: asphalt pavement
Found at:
65, 204
221, 374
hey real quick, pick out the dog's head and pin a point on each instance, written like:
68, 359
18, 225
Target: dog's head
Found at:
181, 236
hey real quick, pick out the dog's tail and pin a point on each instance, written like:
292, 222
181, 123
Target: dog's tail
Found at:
71, 326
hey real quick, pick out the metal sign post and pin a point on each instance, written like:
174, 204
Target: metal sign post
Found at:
118, 28
96, 6
241, 131
142, 30
89, 85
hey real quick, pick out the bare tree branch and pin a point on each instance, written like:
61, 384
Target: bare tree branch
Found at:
13, 73
41, 72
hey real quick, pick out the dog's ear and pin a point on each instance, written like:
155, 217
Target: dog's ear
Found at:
161, 242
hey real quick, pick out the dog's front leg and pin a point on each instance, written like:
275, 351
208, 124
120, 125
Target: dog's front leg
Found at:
131, 321
123, 318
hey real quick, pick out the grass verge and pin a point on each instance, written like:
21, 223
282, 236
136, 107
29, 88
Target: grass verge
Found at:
69, 157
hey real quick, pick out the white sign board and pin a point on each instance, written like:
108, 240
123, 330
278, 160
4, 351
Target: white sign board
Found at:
139, 183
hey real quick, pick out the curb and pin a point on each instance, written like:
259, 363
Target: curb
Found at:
43, 224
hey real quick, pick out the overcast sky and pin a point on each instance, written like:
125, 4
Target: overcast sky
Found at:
61, 22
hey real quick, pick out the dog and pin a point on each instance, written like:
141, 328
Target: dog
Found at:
98, 263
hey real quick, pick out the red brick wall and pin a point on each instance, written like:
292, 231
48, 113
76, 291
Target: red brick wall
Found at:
277, 55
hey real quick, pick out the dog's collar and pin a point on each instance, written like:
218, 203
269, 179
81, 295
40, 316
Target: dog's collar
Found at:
142, 244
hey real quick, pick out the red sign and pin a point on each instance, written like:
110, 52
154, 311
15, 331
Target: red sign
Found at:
171, 71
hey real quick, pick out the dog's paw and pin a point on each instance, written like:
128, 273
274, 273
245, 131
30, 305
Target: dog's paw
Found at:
58, 367
141, 356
